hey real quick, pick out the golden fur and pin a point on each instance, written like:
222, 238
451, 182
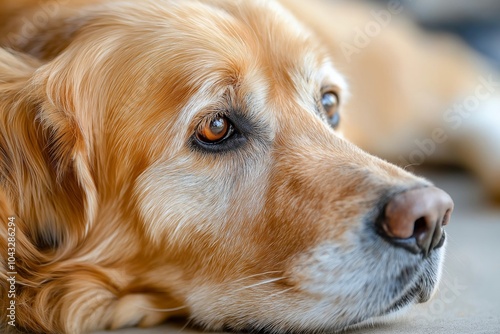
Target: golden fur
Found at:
121, 222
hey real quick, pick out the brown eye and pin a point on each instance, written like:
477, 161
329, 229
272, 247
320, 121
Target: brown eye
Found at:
214, 131
330, 104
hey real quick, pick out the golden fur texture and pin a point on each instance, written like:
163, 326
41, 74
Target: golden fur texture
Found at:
121, 220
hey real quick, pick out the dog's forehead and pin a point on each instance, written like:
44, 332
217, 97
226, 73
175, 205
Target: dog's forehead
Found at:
243, 43
184, 55
206, 39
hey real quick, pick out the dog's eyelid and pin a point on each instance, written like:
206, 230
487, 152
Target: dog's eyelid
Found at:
233, 135
332, 88
329, 104
215, 130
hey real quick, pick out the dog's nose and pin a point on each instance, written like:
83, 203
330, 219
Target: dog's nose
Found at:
414, 219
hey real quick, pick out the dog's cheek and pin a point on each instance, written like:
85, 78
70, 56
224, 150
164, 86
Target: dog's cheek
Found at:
183, 197
173, 205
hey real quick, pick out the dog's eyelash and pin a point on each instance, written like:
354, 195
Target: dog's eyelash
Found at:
242, 129
235, 141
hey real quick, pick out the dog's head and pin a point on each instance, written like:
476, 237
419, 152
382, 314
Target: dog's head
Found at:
195, 158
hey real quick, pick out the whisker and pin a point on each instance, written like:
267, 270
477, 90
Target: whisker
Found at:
410, 165
277, 293
186, 325
261, 274
162, 310
271, 280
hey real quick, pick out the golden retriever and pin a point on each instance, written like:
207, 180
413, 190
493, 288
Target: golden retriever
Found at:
169, 158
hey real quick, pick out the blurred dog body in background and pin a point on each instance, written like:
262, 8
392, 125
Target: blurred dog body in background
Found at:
421, 97
108, 113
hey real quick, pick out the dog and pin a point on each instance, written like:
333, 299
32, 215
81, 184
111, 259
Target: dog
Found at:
188, 158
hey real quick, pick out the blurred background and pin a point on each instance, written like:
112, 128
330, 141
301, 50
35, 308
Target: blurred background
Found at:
476, 21
468, 300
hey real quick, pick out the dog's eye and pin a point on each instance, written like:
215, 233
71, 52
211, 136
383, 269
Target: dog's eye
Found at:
215, 130
330, 104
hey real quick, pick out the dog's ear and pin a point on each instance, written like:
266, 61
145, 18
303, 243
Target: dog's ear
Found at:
45, 30
48, 199
67, 139
15, 67
45, 167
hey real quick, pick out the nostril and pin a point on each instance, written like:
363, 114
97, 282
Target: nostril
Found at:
446, 217
428, 233
414, 219
420, 226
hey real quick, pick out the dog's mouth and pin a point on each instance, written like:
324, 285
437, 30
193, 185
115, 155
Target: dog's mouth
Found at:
408, 298
418, 293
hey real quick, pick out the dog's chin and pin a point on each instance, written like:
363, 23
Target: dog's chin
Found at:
416, 294
419, 293
395, 312
390, 317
